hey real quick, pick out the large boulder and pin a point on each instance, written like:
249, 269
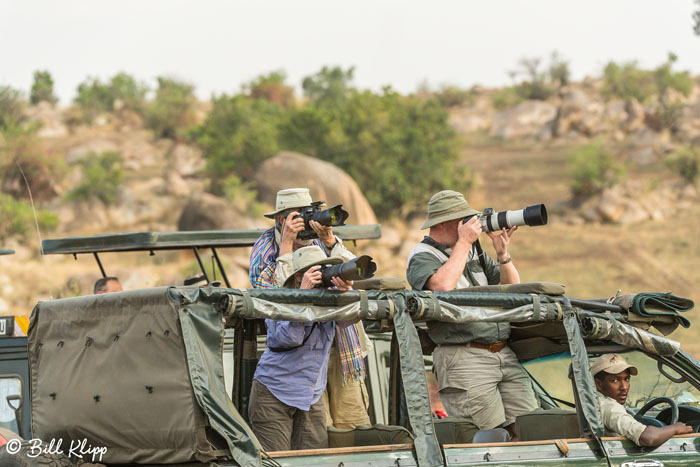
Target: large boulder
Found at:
326, 182
205, 211
526, 119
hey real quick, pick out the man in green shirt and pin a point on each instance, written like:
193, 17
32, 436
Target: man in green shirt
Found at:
478, 374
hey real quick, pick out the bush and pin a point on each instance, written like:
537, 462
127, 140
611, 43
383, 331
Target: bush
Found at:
42, 88
172, 110
396, 148
685, 162
18, 218
592, 169
242, 196
506, 98
559, 69
272, 88
537, 84
11, 107
101, 178
454, 96
130, 93
237, 136
329, 85
95, 97
627, 80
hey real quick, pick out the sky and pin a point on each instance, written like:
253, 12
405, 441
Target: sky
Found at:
220, 45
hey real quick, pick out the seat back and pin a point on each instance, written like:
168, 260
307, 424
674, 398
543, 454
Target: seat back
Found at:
543, 424
368, 436
455, 430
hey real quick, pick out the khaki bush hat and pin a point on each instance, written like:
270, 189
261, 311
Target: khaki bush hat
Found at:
304, 258
612, 363
290, 198
446, 206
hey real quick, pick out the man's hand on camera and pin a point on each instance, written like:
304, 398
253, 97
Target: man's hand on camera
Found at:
341, 285
324, 232
501, 242
290, 228
311, 278
469, 231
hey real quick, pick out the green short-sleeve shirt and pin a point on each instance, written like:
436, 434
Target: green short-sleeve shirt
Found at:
423, 265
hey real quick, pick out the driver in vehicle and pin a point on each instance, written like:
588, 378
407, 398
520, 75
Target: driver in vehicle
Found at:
612, 380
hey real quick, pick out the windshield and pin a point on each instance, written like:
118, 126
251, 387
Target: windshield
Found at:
552, 374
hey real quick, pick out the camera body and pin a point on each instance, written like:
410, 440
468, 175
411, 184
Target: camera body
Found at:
333, 216
492, 221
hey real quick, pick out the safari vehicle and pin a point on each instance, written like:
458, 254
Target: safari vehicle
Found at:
138, 377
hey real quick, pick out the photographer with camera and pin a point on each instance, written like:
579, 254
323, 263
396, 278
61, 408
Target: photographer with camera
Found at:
478, 374
286, 410
271, 264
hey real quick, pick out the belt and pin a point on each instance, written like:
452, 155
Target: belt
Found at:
495, 347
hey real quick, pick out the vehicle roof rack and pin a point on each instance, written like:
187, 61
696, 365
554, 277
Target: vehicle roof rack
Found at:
186, 240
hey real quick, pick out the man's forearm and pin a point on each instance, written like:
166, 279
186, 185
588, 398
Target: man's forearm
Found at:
655, 436
446, 278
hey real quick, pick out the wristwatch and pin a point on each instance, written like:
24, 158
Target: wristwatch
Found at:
506, 261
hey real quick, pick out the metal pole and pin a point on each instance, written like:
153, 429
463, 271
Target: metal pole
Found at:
201, 265
99, 263
221, 267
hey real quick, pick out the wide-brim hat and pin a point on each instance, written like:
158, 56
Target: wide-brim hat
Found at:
612, 363
306, 257
447, 205
290, 198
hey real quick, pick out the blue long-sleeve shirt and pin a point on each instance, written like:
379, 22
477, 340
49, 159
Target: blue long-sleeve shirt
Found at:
297, 377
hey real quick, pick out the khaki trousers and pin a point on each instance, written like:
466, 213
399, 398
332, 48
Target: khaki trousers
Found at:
490, 387
280, 427
346, 406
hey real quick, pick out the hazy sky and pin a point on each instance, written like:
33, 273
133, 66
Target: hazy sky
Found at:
218, 45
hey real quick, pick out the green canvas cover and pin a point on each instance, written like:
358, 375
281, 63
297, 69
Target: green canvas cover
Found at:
547, 424
381, 283
660, 310
610, 329
113, 368
547, 288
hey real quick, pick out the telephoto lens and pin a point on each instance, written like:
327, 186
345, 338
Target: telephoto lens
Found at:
532, 215
358, 268
332, 217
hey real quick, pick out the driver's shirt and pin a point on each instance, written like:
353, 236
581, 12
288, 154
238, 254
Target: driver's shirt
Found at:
617, 421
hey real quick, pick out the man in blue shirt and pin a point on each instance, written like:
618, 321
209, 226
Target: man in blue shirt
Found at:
285, 409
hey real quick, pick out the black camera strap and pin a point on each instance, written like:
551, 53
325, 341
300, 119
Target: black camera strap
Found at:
480, 254
287, 349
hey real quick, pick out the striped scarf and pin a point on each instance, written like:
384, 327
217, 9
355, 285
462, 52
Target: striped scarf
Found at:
350, 349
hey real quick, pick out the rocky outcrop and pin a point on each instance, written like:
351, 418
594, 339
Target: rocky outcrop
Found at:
326, 182
208, 212
524, 120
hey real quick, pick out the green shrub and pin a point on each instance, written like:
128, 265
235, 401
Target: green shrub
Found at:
454, 96
131, 93
627, 80
592, 169
273, 88
505, 98
237, 136
241, 195
330, 85
685, 162
11, 107
397, 148
536, 84
172, 110
42, 88
559, 69
18, 218
94, 97
101, 177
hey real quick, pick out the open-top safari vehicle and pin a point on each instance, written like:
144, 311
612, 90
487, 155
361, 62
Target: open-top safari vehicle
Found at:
141, 373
